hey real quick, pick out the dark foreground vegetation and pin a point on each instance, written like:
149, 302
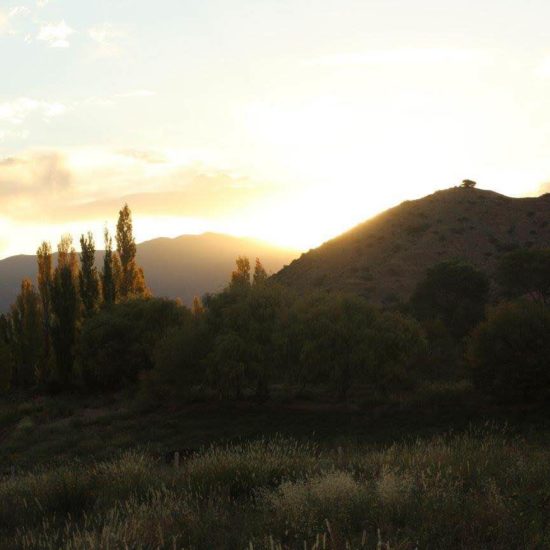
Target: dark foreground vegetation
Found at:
477, 490
335, 423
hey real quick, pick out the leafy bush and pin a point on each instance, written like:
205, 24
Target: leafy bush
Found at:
453, 292
118, 343
509, 353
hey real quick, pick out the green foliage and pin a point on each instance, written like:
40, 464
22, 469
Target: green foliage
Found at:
178, 362
25, 335
468, 184
243, 322
118, 343
453, 292
131, 281
108, 282
343, 341
526, 272
66, 306
88, 276
509, 353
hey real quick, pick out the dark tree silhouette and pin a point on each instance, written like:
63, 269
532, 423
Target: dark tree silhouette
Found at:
88, 276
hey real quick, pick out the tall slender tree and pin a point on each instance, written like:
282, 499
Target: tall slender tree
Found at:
240, 278
260, 274
88, 276
44, 259
132, 280
108, 283
66, 308
26, 334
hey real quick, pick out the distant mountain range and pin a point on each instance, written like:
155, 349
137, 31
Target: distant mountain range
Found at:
183, 267
385, 257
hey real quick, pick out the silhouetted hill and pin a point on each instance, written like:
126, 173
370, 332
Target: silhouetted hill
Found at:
182, 267
384, 257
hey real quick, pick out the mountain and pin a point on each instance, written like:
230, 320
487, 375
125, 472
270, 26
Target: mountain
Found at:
385, 257
183, 267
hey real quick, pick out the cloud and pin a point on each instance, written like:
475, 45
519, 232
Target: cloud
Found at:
17, 111
19, 11
63, 188
31, 185
56, 34
42, 3
3, 21
150, 157
107, 38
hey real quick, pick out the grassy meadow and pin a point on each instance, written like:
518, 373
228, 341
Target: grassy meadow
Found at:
480, 489
92, 473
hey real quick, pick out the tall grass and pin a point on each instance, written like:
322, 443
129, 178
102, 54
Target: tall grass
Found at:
479, 490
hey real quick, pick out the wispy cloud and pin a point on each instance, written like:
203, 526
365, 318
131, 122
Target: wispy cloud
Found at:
107, 39
17, 111
19, 11
56, 34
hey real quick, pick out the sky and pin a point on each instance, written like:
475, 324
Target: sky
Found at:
285, 120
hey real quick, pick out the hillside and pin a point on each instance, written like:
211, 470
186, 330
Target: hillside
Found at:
182, 267
385, 257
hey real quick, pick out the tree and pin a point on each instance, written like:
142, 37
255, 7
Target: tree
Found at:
132, 281
526, 272
454, 293
342, 341
88, 276
6, 361
240, 278
45, 272
118, 343
26, 334
65, 308
509, 353
260, 274
468, 184
108, 285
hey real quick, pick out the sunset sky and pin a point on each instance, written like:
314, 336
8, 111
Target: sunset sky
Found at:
286, 120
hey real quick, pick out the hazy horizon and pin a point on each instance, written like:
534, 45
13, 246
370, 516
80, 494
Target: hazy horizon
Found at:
282, 121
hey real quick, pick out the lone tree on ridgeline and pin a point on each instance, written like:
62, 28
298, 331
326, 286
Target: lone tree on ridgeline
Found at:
468, 184
131, 280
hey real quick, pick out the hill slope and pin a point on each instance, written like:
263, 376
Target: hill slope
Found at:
183, 267
385, 257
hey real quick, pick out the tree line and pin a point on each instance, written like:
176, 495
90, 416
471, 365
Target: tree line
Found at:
92, 330
39, 336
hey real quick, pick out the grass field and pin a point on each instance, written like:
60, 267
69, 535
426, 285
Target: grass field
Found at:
433, 472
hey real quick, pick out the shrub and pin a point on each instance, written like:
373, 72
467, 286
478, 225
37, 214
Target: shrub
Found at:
118, 343
509, 353
453, 292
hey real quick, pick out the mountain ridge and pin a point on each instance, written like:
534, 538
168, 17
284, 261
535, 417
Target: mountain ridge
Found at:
383, 258
175, 267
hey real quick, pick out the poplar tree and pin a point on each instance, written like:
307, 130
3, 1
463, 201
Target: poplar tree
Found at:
65, 308
88, 276
108, 276
44, 260
26, 334
132, 280
260, 274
